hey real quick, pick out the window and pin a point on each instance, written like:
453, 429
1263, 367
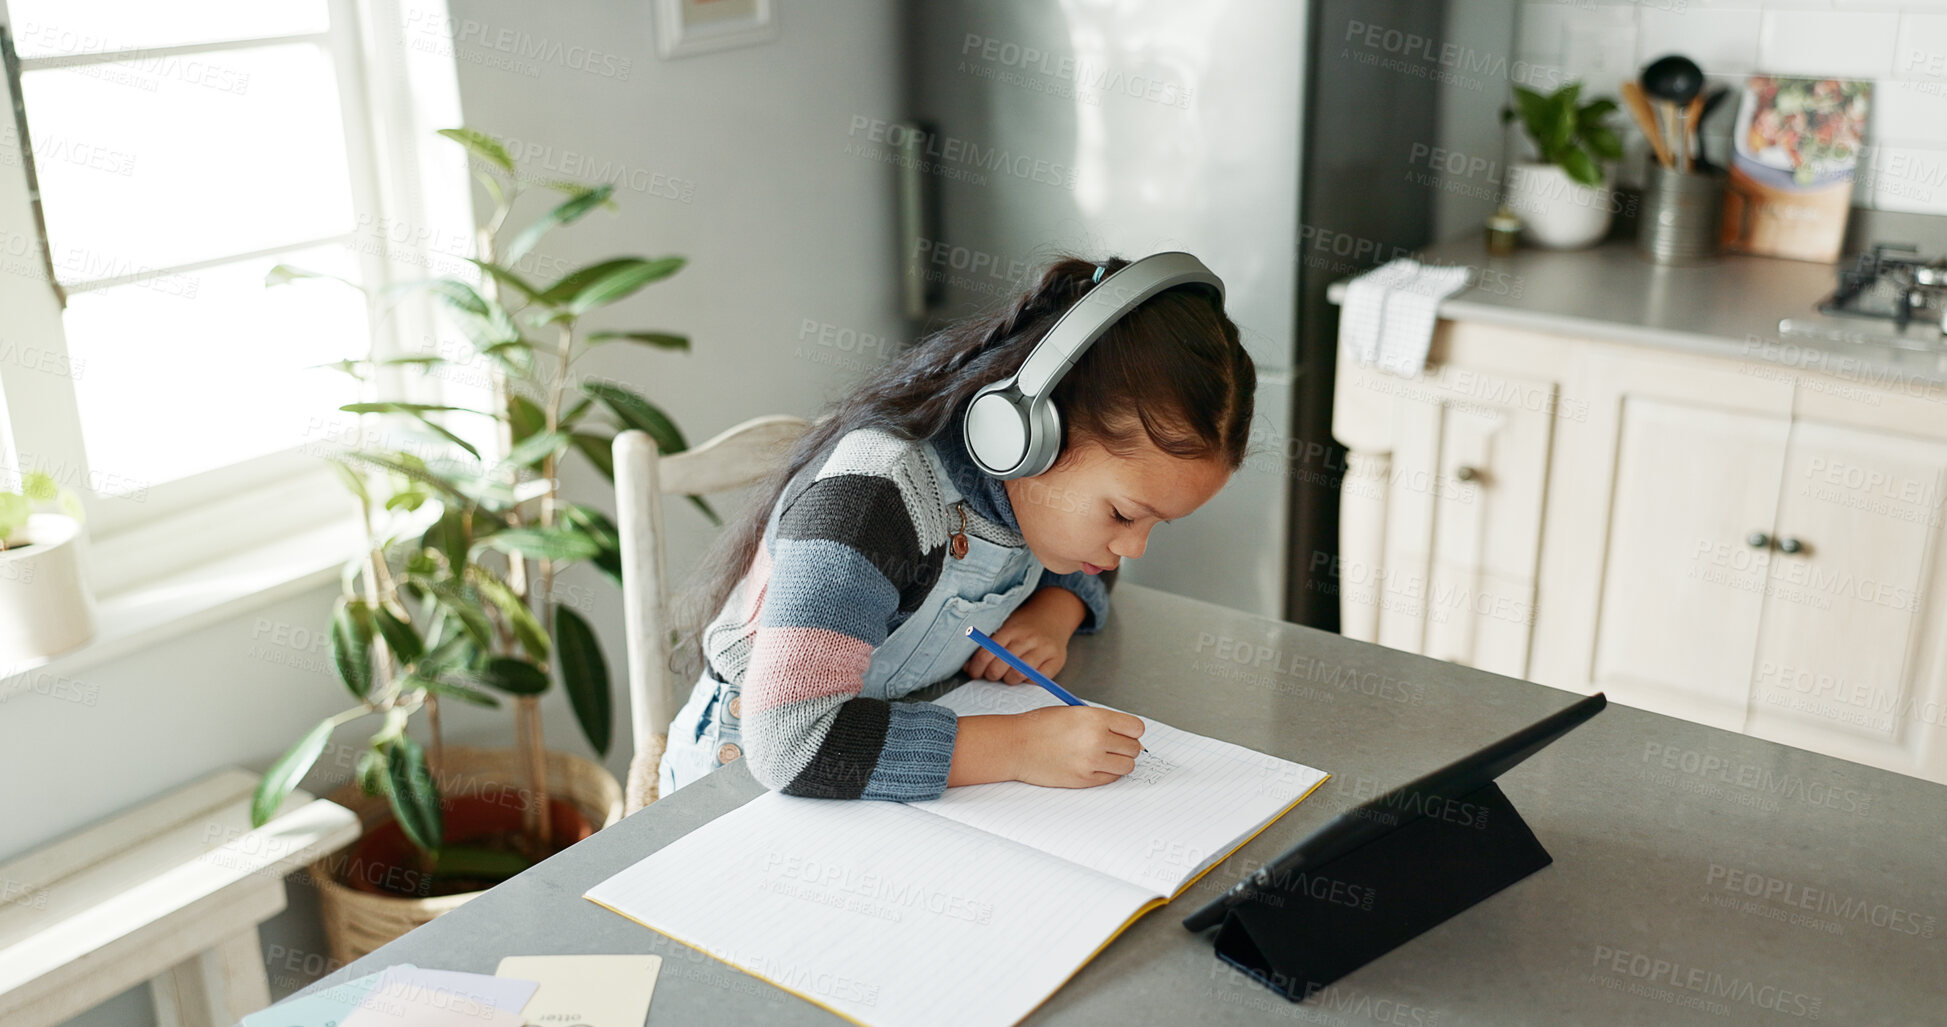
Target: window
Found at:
180, 152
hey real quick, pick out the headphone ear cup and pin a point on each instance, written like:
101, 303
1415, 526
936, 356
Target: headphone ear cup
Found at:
1044, 438
996, 433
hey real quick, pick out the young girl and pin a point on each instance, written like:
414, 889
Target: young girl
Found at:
850, 579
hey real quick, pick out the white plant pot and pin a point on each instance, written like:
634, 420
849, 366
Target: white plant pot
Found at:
1556, 211
45, 606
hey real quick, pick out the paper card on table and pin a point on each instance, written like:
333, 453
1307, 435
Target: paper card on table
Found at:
320, 1008
496, 990
410, 997
586, 990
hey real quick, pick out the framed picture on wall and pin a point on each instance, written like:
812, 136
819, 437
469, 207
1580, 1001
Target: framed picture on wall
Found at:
685, 27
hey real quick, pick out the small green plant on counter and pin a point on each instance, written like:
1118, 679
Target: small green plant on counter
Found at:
464, 609
39, 493
1568, 133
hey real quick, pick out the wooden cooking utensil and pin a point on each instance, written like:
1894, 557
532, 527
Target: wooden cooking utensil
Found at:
1693, 131
1639, 108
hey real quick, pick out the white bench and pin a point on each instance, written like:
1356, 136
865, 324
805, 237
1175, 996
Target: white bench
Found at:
170, 892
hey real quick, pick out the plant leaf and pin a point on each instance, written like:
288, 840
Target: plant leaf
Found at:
371, 772
637, 412
566, 213
411, 468
1593, 115
1580, 166
283, 775
525, 416
285, 274
575, 281
400, 636
585, 675
446, 536
351, 646
460, 296
462, 691
661, 340
530, 451
596, 525
622, 283
506, 277
519, 618
418, 412
414, 794
483, 145
510, 674
556, 543
599, 451
1603, 142
464, 605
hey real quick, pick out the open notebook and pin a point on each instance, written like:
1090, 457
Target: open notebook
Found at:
971, 908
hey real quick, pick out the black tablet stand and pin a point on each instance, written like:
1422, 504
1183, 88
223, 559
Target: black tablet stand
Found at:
1298, 935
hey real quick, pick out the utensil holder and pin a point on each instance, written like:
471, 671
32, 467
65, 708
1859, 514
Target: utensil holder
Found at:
1679, 222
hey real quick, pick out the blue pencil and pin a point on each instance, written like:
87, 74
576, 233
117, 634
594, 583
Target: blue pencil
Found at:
1017, 663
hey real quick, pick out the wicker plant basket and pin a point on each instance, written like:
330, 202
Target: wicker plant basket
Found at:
356, 922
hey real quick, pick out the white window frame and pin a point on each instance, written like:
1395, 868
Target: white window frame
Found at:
392, 97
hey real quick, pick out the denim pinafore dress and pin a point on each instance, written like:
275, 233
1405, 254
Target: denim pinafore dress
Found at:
979, 587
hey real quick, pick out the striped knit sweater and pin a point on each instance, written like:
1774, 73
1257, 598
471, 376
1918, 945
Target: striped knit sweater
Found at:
851, 550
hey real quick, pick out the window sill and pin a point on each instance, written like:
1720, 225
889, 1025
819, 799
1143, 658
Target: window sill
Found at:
141, 615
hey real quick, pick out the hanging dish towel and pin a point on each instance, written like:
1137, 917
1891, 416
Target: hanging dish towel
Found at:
1386, 318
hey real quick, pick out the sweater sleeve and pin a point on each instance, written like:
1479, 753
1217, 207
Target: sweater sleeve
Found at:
844, 559
1090, 588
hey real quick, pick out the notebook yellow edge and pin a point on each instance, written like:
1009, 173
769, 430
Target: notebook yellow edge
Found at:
1133, 917
1160, 901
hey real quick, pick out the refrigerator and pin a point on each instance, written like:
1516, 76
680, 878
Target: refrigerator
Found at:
1278, 140
1122, 129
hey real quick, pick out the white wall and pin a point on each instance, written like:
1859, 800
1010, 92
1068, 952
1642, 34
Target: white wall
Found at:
780, 226
1901, 45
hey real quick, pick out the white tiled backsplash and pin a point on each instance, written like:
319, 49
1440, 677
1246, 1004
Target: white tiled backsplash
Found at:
1901, 47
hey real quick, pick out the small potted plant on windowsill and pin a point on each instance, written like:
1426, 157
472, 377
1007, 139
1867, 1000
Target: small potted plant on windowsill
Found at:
466, 609
45, 606
1563, 198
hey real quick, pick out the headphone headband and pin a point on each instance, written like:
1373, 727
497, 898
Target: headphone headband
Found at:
1012, 429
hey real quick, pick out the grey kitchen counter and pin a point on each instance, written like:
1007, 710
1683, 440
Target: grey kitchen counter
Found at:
1700, 876
1729, 307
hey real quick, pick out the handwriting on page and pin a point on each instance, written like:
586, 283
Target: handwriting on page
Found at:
1150, 768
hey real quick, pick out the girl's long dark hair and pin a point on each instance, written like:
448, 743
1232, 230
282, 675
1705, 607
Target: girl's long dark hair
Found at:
1173, 367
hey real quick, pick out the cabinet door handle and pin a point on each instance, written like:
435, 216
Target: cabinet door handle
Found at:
1466, 473
1758, 540
1790, 545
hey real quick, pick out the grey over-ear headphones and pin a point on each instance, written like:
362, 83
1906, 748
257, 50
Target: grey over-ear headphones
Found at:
1012, 428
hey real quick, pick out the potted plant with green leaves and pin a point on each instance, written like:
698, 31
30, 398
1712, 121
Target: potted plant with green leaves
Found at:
460, 606
1563, 196
45, 606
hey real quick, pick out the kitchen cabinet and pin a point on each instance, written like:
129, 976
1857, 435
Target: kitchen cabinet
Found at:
1848, 659
1441, 513
1742, 544
1694, 487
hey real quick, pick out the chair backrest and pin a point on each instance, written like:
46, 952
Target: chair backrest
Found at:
738, 456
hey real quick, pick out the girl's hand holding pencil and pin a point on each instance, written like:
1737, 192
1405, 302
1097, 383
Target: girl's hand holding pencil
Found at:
1073, 745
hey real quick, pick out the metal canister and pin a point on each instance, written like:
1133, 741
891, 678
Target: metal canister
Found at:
1679, 222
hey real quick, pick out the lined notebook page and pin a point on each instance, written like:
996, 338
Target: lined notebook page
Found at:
878, 911
1190, 800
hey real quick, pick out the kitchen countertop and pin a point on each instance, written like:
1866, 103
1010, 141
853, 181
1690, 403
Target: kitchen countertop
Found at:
1699, 875
1727, 308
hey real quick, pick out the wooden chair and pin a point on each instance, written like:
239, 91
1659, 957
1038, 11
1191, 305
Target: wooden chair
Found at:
739, 456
